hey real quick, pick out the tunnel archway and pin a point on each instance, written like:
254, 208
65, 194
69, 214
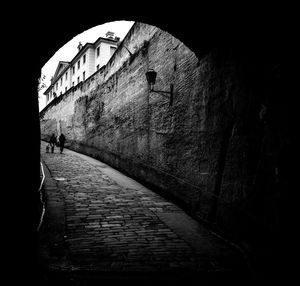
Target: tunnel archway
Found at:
248, 101
241, 49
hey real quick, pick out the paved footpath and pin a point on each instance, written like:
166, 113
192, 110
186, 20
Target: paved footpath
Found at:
100, 221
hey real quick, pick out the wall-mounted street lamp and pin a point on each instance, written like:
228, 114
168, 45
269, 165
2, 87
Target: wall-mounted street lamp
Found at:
151, 78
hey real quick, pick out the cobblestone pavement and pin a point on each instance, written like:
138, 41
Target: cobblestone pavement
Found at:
109, 227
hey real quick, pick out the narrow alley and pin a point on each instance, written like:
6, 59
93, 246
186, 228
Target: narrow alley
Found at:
100, 223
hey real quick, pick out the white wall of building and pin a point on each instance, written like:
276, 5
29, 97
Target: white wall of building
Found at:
91, 61
78, 70
60, 86
63, 84
104, 55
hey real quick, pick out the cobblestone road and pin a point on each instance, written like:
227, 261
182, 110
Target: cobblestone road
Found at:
112, 227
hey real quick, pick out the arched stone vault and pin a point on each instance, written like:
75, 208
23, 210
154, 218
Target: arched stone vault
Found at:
238, 133
253, 47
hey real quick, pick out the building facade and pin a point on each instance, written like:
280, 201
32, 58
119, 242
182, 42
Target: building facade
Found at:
90, 58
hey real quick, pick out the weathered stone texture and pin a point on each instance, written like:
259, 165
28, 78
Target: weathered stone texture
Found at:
196, 149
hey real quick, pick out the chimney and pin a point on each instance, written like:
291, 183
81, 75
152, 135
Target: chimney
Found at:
79, 47
110, 35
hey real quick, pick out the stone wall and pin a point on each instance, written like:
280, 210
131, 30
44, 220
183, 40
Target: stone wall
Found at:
202, 149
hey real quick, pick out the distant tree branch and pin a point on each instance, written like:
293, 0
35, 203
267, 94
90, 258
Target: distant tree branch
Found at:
41, 84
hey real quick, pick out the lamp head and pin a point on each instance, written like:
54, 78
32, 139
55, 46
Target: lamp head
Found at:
151, 77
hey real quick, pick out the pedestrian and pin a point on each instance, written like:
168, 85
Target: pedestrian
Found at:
52, 142
62, 140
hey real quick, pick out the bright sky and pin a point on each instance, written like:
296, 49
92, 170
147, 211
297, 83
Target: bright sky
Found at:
69, 50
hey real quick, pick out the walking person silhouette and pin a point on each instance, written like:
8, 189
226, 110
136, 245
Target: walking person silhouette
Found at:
52, 142
62, 140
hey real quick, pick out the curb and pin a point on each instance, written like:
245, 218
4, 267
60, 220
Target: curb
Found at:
52, 232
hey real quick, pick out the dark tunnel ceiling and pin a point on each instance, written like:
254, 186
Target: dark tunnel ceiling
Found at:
199, 32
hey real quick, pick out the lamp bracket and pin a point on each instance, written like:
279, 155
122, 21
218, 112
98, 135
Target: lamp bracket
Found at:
165, 92
160, 91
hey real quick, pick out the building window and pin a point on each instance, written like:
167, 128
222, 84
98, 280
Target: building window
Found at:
73, 70
84, 59
78, 79
97, 67
66, 75
83, 76
112, 50
65, 89
78, 65
56, 85
98, 51
61, 82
